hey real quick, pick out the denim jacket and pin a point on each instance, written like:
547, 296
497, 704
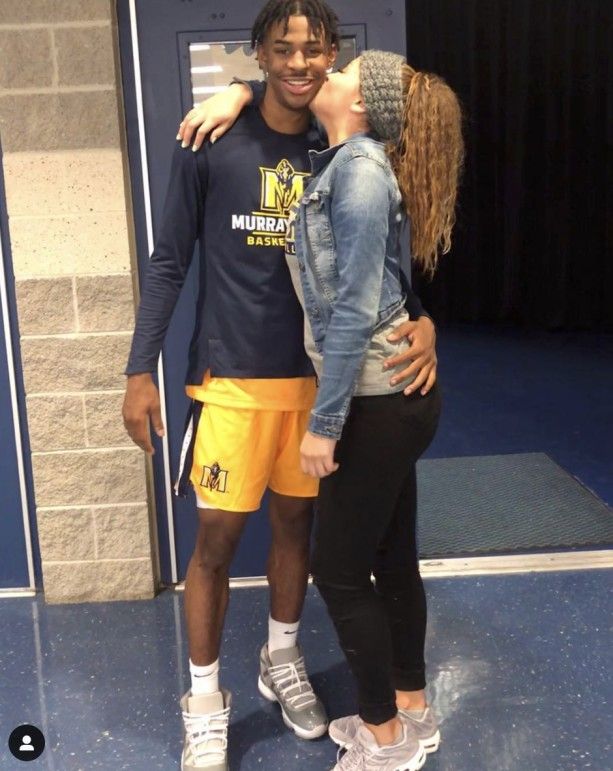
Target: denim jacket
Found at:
348, 247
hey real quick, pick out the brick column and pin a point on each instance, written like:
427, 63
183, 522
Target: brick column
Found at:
64, 161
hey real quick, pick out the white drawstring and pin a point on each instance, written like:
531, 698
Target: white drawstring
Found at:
207, 734
288, 677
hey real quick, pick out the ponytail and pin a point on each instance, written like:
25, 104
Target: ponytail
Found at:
427, 161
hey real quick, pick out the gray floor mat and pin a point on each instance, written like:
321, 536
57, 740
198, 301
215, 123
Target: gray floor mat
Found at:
505, 503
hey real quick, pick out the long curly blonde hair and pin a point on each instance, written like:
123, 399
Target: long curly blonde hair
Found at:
427, 161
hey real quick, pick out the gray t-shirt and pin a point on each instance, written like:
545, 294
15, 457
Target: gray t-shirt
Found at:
373, 380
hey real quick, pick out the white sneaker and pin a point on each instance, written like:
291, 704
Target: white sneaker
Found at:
205, 724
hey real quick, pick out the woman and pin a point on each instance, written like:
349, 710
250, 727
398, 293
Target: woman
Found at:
395, 148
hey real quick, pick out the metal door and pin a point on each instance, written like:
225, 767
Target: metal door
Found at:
16, 557
175, 53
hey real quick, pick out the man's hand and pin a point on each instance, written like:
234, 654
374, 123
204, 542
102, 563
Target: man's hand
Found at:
215, 115
421, 353
141, 404
317, 455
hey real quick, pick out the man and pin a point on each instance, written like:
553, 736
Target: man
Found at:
250, 380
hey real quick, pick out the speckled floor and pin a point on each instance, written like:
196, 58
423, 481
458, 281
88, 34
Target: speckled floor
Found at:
520, 676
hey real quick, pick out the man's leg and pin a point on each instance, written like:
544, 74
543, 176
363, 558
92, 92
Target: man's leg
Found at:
206, 708
207, 583
290, 510
291, 520
229, 471
283, 675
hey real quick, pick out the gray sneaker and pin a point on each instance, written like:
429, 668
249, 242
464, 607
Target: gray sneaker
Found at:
423, 724
283, 678
425, 727
366, 754
205, 726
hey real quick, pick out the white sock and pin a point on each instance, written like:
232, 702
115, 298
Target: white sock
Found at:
204, 679
281, 635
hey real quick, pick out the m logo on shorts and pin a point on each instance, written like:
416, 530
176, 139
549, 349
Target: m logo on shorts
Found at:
214, 478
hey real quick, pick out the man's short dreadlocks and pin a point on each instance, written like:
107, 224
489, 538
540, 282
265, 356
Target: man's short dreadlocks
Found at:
320, 17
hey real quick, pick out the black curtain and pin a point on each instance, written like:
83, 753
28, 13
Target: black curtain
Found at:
533, 243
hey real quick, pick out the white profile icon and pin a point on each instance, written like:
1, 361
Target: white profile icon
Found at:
26, 744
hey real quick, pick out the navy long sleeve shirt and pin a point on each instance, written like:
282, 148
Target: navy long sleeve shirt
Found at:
232, 199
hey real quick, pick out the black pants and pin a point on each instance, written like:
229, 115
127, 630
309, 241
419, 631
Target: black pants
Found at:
366, 523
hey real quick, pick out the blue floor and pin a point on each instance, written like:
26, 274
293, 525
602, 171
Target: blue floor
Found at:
519, 669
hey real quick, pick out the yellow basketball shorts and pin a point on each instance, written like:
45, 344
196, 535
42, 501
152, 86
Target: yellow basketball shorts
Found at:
231, 455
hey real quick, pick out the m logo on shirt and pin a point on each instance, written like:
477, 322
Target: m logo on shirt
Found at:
214, 478
281, 188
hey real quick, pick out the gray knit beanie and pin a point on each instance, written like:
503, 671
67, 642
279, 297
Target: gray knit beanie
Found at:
382, 91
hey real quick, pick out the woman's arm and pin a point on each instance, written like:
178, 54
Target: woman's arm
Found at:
359, 213
218, 114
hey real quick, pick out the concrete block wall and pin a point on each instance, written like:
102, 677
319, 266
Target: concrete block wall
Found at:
64, 166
